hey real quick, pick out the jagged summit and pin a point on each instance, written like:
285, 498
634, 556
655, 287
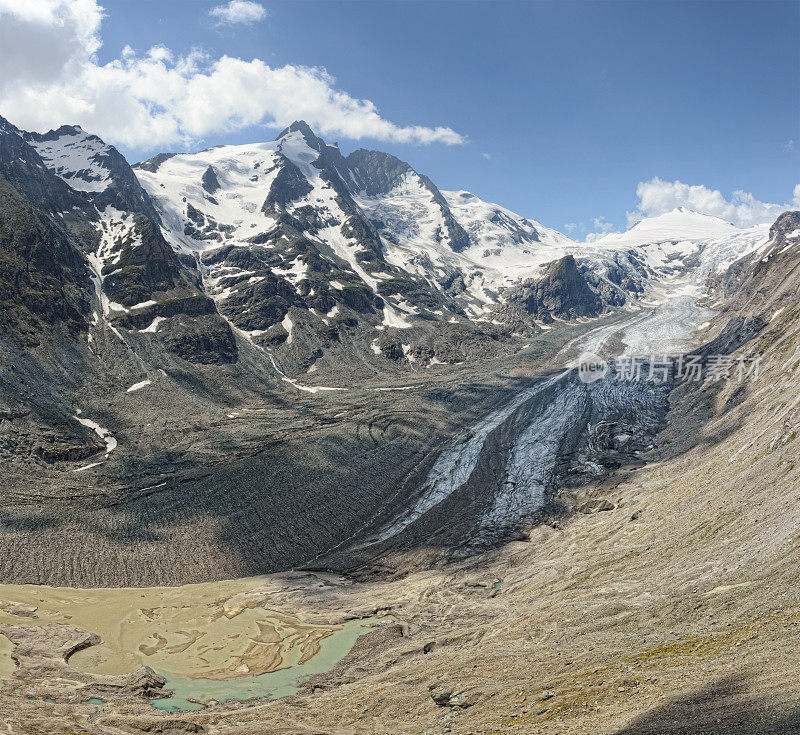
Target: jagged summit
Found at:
104, 221
788, 221
369, 217
302, 127
371, 214
5, 125
61, 132
298, 126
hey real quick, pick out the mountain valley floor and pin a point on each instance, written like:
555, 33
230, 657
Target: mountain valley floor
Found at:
666, 601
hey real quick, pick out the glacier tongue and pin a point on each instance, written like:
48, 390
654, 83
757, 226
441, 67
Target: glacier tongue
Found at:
455, 465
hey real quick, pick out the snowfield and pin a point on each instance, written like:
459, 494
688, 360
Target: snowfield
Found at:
77, 159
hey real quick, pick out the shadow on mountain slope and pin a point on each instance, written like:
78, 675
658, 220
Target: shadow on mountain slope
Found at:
722, 708
265, 492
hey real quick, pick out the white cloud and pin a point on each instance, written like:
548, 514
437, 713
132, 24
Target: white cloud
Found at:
601, 226
742, 209
50, 75
570, 226
487, 156
46, 41
789, 145
238, 11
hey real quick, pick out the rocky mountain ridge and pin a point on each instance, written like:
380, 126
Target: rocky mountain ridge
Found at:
272, 271
292, 235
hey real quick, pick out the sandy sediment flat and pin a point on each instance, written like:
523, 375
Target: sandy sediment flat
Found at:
7, 664
222, 631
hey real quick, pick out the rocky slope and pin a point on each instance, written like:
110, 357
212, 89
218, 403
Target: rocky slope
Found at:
84, 260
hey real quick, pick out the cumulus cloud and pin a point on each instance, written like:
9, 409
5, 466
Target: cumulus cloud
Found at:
46, 41
601, 227
601, 224
50, 75
241, 12
742, 209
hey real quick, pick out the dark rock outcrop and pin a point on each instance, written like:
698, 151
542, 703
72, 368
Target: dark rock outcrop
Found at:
152, 164
43, 277
207, 340
560, 291
210, 180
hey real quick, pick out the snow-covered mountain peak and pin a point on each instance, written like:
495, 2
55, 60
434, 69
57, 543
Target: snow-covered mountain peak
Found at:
677, 224
687, 214
303, 129
492, 225
317, 258
214, 196
78, 158
684, 238
373, 215
300, 151
374, 218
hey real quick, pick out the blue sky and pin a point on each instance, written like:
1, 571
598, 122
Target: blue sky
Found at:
564, 107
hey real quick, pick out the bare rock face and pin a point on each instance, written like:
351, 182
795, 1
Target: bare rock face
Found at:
18, 608
205, 340
784, 229
596, 505
42, 276
561, 291
768, 274
156, 726
760, 289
